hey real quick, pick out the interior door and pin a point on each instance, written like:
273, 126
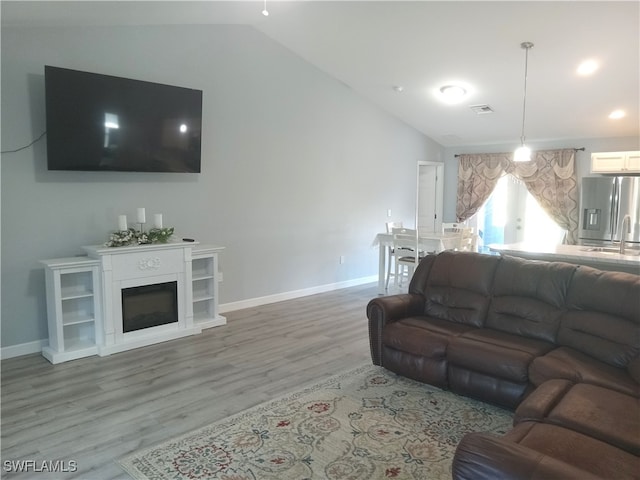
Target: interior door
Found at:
429, 197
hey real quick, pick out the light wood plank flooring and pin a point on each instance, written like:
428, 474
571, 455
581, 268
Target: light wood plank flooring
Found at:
96, 410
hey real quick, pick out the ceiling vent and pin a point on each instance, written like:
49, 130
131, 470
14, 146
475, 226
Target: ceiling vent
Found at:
481, 109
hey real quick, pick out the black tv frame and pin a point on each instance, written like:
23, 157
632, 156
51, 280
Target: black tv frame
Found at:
98, 122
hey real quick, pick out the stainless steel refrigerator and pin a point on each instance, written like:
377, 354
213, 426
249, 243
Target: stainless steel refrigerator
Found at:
605, 201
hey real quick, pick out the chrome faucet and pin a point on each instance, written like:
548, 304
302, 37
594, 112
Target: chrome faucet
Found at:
627, 219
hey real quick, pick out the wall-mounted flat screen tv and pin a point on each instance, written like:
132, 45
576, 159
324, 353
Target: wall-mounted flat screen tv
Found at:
102, 122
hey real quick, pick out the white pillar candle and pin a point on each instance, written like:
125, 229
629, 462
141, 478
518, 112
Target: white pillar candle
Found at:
122, 222
157, 220
141, 215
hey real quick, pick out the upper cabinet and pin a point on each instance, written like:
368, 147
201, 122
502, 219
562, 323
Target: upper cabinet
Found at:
615, 162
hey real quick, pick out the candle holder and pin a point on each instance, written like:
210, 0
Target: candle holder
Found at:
127, 236
138, 237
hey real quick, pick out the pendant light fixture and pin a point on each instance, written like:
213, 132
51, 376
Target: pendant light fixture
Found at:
265, 12
523, 153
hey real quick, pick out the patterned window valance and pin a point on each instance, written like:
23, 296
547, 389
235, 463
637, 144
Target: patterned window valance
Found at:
550, 177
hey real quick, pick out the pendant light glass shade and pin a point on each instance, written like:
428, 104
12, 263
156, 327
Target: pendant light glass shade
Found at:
523, 153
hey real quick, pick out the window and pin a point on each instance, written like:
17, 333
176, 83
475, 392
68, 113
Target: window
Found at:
511, 215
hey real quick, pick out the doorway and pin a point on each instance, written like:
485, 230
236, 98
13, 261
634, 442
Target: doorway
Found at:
429, 196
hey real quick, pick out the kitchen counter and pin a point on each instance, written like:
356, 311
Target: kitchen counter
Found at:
578, 254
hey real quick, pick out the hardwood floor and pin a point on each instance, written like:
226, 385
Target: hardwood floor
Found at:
98, 409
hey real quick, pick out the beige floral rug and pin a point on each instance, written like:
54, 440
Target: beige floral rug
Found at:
361, 425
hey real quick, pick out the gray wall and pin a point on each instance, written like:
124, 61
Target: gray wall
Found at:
583, 160
296, 167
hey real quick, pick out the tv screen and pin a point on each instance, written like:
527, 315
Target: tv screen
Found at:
101, 122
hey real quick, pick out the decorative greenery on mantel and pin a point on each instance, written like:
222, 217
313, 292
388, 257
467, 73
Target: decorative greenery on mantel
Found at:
131, 236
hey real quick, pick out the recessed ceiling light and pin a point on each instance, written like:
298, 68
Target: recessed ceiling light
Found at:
616, 114
398, 88
588, 67
452, 93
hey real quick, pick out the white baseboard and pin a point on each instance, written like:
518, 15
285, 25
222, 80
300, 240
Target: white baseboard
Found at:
23, 349
36, 347
279, 297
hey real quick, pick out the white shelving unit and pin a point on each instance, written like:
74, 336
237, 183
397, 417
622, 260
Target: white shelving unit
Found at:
84, 308
73, 308
205, 278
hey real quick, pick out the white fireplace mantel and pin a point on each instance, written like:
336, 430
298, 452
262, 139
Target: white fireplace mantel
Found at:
84, 296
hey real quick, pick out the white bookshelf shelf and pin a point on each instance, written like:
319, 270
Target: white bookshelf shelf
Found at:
205, 278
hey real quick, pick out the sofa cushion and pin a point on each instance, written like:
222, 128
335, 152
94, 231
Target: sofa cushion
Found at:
528, 297
600, 413
589, 409
481, 456
496, 353
603, 317
634, 369
573, 448
487, 387
416, 348
566, 363
421, 335
429, 370
458, 286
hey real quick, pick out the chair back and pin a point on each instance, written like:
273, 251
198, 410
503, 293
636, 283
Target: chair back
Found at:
391, 225
468, 242
452, 227
405, 245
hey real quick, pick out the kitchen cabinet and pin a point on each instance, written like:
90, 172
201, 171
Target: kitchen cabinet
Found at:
621, 163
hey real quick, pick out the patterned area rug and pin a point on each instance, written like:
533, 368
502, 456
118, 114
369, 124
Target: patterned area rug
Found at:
361, 425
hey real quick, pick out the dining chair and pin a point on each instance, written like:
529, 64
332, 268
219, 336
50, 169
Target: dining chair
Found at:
390, 253
452, 227
406, 252
456, 229
469, 242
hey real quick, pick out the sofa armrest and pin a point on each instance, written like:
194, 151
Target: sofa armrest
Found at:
537, 406
384, 310
482, 456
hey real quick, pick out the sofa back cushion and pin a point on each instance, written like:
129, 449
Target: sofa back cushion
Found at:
603, 316
456, 286
529, 297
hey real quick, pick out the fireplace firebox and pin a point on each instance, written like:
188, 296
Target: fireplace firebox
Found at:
149, 306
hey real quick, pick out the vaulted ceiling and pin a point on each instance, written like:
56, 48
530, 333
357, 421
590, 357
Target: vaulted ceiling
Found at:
374, 47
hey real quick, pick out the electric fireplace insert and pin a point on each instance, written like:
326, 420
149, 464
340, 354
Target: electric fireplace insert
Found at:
149, 306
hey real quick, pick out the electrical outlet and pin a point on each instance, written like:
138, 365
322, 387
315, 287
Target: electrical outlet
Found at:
220, 276
389, 213
341, 259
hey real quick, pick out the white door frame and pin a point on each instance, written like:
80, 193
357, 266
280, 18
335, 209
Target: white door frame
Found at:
438, 193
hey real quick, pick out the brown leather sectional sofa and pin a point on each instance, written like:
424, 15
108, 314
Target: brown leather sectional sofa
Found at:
557, 343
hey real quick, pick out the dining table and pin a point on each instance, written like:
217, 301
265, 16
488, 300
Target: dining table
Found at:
427, 242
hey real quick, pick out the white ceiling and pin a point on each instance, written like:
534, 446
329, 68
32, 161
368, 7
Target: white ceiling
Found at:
372, 46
